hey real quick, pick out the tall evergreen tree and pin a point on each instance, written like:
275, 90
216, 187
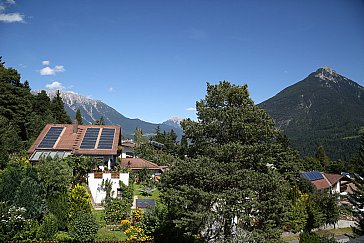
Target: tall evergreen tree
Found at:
357, 198
227, 190
322, 157
79, 117
41, 103
138, 137
58, 110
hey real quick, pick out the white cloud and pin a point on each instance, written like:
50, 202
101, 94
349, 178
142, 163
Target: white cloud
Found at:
47, 71
55, 85
111, 89
191, 109
11, 17
45, 63
58, 68
51, 71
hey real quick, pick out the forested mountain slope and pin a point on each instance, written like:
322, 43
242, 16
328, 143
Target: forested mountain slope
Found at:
325, 108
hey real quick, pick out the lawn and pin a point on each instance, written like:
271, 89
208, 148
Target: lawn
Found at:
330, 232
104, 233
155, 194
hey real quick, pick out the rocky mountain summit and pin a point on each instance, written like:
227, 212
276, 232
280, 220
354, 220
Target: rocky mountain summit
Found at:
325, 108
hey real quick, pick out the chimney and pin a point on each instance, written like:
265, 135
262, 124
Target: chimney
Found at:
75, 126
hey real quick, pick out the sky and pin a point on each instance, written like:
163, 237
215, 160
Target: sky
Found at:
151, 59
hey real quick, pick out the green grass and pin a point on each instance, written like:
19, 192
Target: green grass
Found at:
342, 231
104, 233
155, 194
330, 232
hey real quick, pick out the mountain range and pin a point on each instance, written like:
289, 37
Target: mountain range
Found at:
325, 108
93, 110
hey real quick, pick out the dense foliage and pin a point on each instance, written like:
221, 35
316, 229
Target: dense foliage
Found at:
357, 198
23, 115
227, 188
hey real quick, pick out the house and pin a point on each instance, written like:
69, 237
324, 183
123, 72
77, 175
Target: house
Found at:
322, 181
95, 181
128, 149
136, 164
62, 140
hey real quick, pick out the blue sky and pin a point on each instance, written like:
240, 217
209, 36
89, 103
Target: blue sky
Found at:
152, 59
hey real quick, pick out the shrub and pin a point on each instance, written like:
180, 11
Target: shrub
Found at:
84, 227
314, 238
116, 210
80, 202
48, 228
59, 207
62, 236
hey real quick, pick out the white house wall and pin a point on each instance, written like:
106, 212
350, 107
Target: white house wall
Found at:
95, 184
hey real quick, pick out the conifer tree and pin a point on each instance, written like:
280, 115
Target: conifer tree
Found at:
79, 117
322, 157
357, 198
58, 110
227, 189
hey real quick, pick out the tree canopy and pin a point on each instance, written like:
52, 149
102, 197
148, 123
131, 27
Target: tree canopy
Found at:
227, 187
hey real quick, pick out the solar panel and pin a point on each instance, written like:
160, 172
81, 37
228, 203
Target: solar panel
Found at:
106, 138
312, 175
89, 140
51, 137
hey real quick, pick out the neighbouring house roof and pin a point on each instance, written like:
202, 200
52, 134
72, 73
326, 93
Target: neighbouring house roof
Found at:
138, 164
333, 178
128, 143
77, 139
321, 180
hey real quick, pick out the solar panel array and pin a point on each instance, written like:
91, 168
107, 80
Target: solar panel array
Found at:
106, 138
312, 175
89, 140
51, 137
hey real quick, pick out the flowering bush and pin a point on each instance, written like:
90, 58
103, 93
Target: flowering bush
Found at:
125, 224
137, 214
135, 231
12, 222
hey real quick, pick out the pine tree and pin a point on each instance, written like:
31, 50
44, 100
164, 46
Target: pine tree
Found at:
357, 198
79, 116
41, 103
58, 110
139, 139
100, 121
227, 189
322, 157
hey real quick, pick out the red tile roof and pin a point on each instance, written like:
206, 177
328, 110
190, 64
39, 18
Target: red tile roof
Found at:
328, 181
138, 164
321, 184
70, 141
333, 178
